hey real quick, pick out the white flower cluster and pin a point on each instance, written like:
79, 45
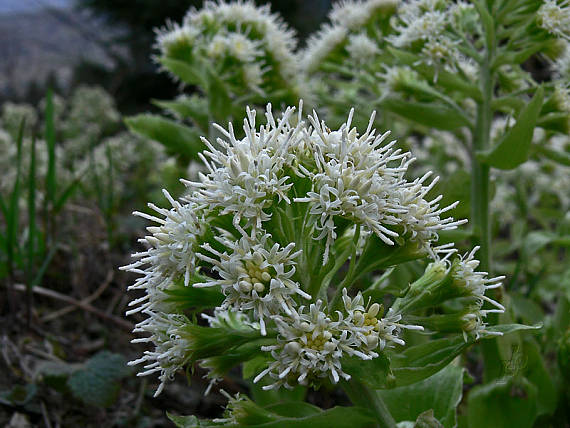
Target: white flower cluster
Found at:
475, 284
359, 177
311, 344
554, 17
353, 14
346, 33
247, 42
255, 278
425, 23
225, 232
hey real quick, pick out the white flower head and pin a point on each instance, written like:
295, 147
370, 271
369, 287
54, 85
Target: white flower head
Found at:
475, 283
361, 178
171, 348
176, 37
230, 240
266, 33
353, 14
254, 276
311, 345
361, 48
171, 252
554, 17
321, 45
418, 27
247, 174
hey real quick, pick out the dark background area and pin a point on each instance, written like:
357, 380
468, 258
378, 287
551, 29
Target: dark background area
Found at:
61, 43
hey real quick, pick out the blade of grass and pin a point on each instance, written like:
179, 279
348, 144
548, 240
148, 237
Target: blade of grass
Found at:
3, 208
31, 228
44, 266
51, 185
67, 193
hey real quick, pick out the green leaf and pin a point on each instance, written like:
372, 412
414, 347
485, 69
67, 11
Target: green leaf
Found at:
185, 421
434, 115
504, 403
557, 122
441, 392
190, 74
18, 395
535, 372
274, 397
514, 147
419, 362
193, 107
178, 139
220, 365
524, 308
294, 409
31, 217
555, 155
220, 104
254, 366
302, 415
97, 383
371, 372
445, 79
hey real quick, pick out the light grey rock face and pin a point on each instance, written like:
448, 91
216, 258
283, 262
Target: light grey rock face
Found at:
38, 41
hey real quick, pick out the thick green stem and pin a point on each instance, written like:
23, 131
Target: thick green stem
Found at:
480, 215
363, 396
480, 199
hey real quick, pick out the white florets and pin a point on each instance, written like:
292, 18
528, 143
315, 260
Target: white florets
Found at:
225, 234
255, 276
312, 345
554, 17
361, 48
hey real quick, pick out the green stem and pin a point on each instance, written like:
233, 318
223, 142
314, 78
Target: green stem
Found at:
480, 199
480, 215
363, 396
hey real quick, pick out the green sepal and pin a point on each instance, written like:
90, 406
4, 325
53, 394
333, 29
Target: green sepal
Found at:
220, 365
195, 298
207, 342
190, 74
